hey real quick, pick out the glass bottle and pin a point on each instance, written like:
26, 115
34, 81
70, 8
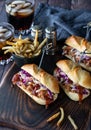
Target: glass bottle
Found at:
50, 34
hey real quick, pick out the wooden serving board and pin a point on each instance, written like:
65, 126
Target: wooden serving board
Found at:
19, 112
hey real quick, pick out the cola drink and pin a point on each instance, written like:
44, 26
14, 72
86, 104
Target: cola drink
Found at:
20, 13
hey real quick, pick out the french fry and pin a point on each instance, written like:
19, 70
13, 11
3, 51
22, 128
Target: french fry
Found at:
25, 55
30, 55
6, 47
24, 48
42, 44
62, 117
37, 53
53, 117
31, 47
72, 122
36, 42
28, 51
21, 48
10, 43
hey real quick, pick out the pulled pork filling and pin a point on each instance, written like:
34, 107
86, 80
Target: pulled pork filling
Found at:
69, 85
77, 56
24, 79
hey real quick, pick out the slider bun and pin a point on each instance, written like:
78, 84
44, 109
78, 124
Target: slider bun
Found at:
45, 78
35, 98
81, 64
75, 96
75, 73
79, 43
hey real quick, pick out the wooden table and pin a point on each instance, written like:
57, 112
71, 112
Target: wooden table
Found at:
20, 112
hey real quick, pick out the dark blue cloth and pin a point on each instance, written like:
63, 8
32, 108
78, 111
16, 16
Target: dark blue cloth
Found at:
67, 22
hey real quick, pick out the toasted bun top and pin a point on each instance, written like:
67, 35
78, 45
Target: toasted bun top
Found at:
75, 73
79, 43
45, 78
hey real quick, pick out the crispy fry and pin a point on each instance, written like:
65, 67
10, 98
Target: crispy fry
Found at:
21, 48
6, 47
28, 51
36, 42
42, 44
24, 48
36, 53
32, 47
53, 116
9, 50
30, 55
25, 55
72, 122
62, 117
10, 43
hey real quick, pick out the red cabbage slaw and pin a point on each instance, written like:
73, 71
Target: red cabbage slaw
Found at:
76, 55
25, 77
64, 80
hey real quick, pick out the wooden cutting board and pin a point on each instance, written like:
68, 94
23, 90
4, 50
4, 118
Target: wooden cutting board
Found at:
19, 111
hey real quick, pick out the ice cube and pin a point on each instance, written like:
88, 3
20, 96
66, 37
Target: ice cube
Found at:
8, 34
16, 2
25, 12
18, 7
11, 5
13, 12
8, 9
27, 5
3, 30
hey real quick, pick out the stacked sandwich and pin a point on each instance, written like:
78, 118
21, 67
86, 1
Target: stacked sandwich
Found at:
73, 74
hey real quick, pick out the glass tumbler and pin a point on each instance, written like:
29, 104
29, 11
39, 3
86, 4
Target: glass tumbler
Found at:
20, 14
6, 33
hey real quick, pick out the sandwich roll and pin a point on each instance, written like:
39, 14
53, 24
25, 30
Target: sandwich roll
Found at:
79, 43
75, 81
41, 86
78, 50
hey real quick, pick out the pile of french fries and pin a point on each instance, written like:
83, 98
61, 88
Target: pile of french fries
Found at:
24, 47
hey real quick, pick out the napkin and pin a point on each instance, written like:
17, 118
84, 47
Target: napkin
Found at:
67, 22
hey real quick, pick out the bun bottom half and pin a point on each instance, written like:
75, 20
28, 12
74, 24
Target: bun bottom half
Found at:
75, 96
35, 98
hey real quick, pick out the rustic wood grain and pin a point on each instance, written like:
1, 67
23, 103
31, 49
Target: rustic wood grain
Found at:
18, 111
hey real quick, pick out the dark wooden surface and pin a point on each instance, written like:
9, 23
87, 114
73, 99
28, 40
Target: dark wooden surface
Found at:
19, 112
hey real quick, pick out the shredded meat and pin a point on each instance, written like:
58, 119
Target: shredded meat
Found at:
68, 84
33, 86
15, 78
77, 56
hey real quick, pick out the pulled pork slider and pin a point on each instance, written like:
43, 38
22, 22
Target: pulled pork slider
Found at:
74, 80
78, 50
41, 86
